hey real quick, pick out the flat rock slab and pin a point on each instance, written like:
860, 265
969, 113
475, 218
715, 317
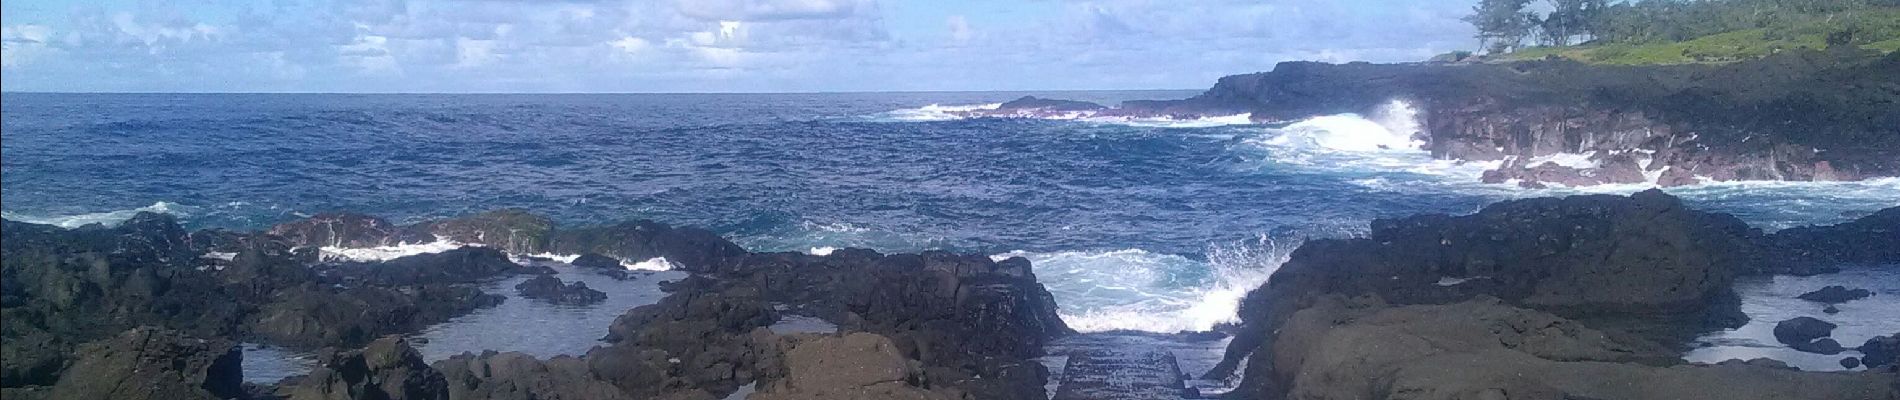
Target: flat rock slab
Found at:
1121, 375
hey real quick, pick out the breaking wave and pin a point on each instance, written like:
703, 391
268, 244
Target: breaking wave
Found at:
1138, 290
107, 218
937, 112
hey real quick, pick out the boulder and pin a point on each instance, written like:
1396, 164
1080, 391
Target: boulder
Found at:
386, 369
1822, 346
550, 289
152, 363
1850, 363
1802, 330
1835, 294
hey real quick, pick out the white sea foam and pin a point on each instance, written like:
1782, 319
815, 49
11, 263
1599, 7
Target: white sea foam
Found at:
1134, 289
822, 250
1166, 122
1393, 127
1572, 160
651, 264
939, 112
562, 258
107, 218
386, 253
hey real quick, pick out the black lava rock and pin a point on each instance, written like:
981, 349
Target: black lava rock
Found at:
1802, 330
1836, 295
550, 289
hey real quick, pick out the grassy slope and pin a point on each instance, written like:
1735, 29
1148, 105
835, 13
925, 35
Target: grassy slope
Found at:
1878, 31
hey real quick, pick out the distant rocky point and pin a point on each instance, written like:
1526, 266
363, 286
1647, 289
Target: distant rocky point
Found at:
1803, 115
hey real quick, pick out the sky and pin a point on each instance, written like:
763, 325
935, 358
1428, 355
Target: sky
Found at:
453, 46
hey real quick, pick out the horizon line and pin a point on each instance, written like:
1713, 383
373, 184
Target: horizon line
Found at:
3, 92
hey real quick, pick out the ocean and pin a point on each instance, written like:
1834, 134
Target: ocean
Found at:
1150, 225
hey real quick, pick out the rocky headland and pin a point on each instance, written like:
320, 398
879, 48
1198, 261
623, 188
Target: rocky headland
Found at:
1802, 115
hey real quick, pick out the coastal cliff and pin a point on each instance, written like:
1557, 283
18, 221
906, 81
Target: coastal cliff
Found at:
1799, 116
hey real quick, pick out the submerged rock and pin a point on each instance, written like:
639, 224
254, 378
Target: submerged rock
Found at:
152, 363
550, 289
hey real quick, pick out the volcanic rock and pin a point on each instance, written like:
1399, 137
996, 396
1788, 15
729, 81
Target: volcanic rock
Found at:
387, 369
1835, 295
858, 366
1881, 351
550, 289
152, 363
1802, 330
338, 229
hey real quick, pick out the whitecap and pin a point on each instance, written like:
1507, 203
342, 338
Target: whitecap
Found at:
1139, 290
386, 253
107, 218
938, 112
651, 264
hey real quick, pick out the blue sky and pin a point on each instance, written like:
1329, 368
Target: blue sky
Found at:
695, 45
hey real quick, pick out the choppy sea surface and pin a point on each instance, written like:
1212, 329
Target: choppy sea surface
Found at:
1149, 225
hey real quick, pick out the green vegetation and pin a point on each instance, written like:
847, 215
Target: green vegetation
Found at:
1681, 31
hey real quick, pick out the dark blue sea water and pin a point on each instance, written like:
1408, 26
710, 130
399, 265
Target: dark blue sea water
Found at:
1148, 225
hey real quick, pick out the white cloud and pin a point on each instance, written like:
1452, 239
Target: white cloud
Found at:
692, 45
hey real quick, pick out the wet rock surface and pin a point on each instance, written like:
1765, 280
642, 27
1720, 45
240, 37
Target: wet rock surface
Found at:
1129, 374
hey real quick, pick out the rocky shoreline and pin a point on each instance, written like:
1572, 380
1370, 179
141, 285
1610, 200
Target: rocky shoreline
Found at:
1540, 298
1579, 297
1801, 115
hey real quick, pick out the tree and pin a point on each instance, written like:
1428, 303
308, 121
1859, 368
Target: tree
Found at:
1502, 24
